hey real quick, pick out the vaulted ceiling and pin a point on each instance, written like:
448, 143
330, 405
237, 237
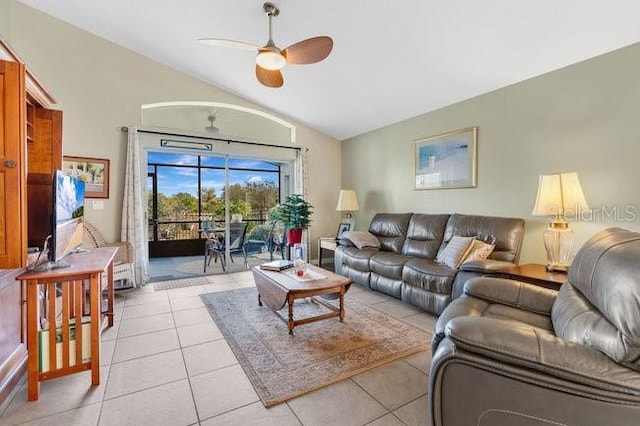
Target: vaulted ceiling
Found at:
391, 60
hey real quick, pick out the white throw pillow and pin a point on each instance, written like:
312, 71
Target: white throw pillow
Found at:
455, 251
479, 250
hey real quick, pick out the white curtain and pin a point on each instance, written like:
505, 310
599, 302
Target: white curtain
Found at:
134, 221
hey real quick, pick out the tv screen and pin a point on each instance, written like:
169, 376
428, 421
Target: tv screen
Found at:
68, 215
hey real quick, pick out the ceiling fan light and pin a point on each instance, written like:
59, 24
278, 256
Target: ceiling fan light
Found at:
270, 60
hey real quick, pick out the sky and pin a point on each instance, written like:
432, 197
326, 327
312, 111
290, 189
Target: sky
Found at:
69, 196
172, 180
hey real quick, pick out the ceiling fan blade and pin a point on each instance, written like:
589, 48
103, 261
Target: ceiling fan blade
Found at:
228, 43
269, 78
309, 51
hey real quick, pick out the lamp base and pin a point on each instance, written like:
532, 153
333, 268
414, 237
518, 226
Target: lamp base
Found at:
558, 242
551, 267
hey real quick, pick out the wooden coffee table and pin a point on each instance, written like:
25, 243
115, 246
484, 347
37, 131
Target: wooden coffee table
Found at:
277, 288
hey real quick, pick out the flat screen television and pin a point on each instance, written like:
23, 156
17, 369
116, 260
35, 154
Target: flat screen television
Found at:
66, 220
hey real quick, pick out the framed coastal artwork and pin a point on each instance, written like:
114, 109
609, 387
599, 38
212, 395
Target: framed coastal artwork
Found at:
446, 161
93, 171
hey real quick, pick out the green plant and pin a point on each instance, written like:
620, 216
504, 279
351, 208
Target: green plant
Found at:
274, 214
240, 207
296, 212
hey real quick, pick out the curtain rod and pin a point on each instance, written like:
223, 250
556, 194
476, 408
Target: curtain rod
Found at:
228, 141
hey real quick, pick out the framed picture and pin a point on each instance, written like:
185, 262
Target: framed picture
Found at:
344, 227
93, 171
446, 161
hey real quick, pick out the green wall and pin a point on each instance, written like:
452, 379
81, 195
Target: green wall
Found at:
4, 18
583, 118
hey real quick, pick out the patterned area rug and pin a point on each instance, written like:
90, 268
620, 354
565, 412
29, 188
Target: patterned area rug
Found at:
281, 366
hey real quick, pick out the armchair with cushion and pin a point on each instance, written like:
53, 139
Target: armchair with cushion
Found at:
512, 353
124, 259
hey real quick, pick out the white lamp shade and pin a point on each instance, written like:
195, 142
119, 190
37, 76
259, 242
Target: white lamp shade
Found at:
558, 194
347, 201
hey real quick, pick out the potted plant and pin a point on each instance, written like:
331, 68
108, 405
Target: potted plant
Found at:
296, 214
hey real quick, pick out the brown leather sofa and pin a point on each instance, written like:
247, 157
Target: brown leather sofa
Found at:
510, 353
405, 265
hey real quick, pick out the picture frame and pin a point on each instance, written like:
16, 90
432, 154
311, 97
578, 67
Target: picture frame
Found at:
94, 172
446, 161
344, 227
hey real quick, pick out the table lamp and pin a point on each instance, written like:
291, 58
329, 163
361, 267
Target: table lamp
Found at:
347, 202
559, 194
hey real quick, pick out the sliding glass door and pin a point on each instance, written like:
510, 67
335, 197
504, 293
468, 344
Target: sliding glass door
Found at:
187, 193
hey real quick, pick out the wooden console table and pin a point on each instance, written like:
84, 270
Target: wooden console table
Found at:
59, 296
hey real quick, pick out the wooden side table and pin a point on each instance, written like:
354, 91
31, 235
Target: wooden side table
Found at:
326, 244
534, 273
73, 295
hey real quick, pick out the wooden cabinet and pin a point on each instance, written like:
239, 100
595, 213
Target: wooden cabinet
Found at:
13, 224
44, 152
30, 150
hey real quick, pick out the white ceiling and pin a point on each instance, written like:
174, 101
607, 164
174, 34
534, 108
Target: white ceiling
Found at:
392, 60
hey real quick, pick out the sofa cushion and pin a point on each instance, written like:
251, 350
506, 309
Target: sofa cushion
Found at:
455, 251
391, 230
428, 275
424, 235
505, 233
356, 258
388, 264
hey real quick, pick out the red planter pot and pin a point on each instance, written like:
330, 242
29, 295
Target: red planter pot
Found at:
294, 236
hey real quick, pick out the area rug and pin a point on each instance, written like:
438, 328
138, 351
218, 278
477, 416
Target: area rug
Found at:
196, 267
281, 366
185, 282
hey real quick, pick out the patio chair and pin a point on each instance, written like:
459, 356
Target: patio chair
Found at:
258, 240
210, 244
123, 260
215, 248
277, 240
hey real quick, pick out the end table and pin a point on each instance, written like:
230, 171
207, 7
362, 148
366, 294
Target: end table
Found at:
533, 273
326, 244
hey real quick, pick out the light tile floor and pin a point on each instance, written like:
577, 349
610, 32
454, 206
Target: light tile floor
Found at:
165, 362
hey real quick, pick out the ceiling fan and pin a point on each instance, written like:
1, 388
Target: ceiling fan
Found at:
211, 128
271, 59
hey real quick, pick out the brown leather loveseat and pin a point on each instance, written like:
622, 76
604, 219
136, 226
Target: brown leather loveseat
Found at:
405, 266
510, 353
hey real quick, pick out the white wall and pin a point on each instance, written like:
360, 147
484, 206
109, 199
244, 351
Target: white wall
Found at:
583, 118
101, 86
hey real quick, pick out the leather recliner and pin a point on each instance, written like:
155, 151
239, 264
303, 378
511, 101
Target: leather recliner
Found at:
510, 353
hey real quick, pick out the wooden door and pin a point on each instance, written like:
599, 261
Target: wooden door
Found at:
13, 223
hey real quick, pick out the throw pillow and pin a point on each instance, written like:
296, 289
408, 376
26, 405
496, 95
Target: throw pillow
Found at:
361, 239
479, 250
455, 251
